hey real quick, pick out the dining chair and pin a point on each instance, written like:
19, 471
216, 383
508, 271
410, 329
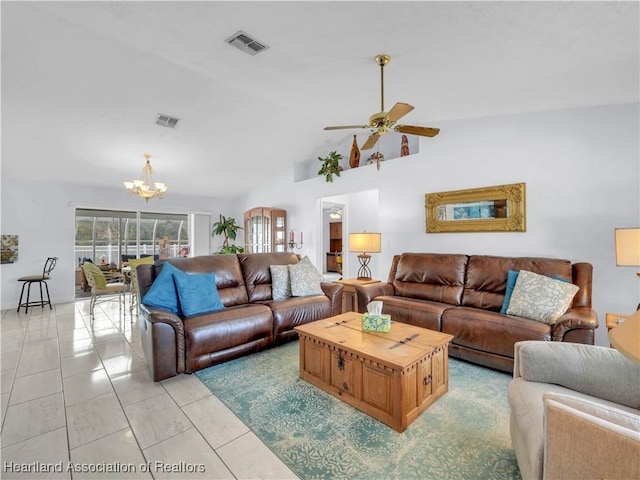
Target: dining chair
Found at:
103, 286
133, 287
41, 279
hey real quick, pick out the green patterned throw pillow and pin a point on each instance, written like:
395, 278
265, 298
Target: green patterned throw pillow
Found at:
541, 298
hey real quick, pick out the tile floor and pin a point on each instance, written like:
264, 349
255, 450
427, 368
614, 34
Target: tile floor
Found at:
78, 402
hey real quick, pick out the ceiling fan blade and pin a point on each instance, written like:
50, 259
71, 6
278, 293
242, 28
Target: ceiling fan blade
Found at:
371, 141
343, 127
398, 111
424, 131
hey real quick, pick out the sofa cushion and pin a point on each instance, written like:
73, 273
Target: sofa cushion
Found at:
540, 298
486, 277
280, 282
229, 280
421, 313
162, 293
257, 274
491, 332
214, 336
197, 293
294, 311
431, 276
305, 279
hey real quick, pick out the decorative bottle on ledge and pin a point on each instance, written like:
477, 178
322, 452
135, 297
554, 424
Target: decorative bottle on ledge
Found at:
354, 158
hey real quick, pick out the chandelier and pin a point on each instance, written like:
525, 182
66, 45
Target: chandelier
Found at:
143, 187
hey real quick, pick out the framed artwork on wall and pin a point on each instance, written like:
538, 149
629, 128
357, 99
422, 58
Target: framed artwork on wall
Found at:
9, 250
499, 208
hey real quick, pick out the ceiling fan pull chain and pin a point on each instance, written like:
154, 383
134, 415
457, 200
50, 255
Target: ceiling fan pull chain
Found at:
381, 87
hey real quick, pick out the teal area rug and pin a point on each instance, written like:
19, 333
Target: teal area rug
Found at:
463, 435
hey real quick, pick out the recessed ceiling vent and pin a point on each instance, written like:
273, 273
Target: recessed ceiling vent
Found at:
246, 43
166, 120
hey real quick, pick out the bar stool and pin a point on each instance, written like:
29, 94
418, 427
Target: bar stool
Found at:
39, 279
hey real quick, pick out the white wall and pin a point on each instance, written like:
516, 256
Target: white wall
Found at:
582, 174
43, 217
581, 168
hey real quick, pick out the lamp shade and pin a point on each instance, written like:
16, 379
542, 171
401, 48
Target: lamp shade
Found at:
627, 246
364, 242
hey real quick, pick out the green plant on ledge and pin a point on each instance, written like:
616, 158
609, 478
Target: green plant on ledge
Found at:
227, 227
330, 166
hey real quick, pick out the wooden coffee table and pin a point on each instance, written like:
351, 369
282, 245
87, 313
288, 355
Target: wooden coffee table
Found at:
393, 377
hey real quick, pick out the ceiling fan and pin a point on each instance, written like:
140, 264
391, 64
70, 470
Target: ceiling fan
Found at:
382, 121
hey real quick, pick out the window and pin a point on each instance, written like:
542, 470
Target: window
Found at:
105, 236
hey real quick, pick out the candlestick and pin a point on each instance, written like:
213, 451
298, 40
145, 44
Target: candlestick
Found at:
292, 241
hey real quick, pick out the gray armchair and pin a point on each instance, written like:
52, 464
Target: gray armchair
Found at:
575, 412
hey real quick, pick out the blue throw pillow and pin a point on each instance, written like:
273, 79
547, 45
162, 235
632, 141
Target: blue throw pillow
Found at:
162, 293
512, 276
198, 293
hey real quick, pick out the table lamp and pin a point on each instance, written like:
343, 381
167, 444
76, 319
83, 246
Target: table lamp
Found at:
365, 243
628, 248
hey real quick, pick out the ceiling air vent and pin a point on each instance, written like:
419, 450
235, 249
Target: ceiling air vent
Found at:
246, 43
166, 120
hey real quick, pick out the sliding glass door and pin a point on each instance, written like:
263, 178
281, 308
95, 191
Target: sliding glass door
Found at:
109, 237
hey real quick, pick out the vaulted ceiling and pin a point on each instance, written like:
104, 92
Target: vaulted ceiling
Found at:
82, 82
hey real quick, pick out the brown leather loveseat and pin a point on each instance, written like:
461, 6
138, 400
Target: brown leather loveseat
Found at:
250, 321
462, 295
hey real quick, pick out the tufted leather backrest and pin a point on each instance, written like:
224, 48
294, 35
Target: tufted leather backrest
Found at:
430, 276
257, 275
229, 280
486, 280
478, 280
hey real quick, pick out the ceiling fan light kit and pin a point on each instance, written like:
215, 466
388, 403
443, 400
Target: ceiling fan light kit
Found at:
383, 121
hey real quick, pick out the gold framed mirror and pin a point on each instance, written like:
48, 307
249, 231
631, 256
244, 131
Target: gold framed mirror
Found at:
490, 209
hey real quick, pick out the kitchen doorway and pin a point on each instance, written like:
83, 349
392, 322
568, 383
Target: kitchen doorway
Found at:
333, 231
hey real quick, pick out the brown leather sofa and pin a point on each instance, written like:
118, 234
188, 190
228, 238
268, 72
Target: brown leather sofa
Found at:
250, 321
462, 295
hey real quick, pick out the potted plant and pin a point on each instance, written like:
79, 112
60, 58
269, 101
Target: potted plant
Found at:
330, 166
227, 227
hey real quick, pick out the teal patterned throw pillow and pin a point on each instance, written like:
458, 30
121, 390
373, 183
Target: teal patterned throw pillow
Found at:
541, 298
305, 279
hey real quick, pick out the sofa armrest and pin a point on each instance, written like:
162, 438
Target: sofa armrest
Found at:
162, 342
156, 315
579, 318
584, 439
597, 371
366, 293
334, 292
